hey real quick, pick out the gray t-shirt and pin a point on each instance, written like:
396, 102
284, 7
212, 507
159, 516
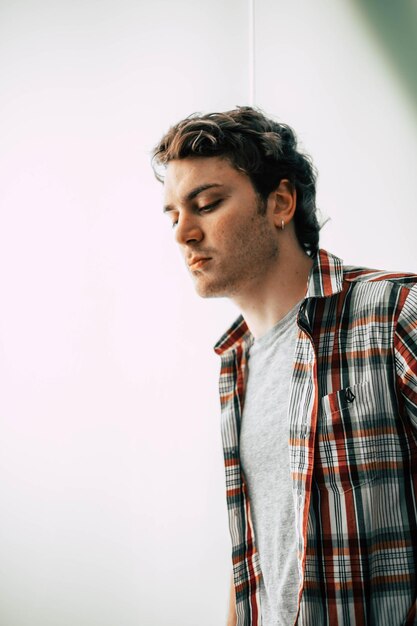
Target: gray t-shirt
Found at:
265, 462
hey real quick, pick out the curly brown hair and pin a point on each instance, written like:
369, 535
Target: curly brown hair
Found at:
262, 148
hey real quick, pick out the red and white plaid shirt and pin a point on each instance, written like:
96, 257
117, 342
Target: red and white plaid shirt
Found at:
352, 445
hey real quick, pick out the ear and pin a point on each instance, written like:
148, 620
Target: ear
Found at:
282, 203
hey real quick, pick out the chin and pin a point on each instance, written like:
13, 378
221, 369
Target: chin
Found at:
213, 290
210, 290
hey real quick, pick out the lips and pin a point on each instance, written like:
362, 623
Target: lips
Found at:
198, 262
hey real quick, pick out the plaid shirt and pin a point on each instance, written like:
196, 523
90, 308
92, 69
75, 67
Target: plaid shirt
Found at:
352, 447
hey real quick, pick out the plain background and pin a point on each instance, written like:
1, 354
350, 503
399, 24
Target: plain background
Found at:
112, 506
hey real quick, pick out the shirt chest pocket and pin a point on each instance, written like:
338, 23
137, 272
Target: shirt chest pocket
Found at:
348, 440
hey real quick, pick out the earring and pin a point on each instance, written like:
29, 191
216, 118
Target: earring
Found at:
282, 225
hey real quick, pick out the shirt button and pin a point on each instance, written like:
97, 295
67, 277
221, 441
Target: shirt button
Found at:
349, 395
300, 501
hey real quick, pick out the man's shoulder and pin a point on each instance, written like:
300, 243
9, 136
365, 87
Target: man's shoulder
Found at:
330, 277
332, 266
385, 293
354, 274
377, 290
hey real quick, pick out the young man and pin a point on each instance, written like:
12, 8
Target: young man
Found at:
318, 383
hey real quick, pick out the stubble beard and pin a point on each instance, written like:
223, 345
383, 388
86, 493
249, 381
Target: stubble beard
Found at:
253, 249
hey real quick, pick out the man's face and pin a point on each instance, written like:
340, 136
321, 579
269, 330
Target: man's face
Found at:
227, 243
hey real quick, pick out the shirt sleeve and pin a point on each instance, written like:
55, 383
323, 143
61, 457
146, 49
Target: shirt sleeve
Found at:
405, 346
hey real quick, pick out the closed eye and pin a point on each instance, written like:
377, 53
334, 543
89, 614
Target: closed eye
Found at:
203, 209
208, 207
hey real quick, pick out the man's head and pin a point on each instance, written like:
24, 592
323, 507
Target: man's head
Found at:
264, 150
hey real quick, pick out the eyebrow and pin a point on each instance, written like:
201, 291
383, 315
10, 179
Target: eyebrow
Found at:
193, 194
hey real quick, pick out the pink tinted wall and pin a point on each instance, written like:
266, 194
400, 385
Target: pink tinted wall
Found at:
111, 477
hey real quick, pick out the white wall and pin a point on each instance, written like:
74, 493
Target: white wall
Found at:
112, 508
321, 67
111, 477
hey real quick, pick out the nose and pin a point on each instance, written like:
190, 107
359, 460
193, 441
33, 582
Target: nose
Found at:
188, 230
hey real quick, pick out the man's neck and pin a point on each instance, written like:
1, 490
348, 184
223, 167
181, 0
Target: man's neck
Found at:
268, 300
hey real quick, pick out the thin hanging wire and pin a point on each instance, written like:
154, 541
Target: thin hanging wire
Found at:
252, 52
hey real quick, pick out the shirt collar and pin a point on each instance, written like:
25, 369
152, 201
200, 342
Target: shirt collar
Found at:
326, 276
325, 279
